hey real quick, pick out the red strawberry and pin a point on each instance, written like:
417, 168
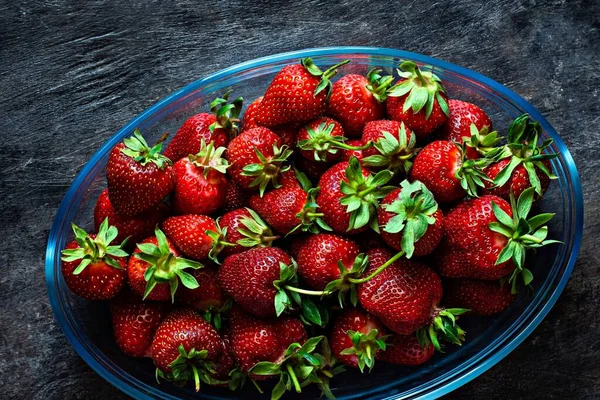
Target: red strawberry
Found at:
136, 228
256, 159
92, 267
443, 168
486, 238
406, 350
312, 168
318, 257
248, 121
235, 197
226, 362
155, 269
254, 340
200, 183
348, 196
289, 178
249, 279
297, 94
186, 347
346, 155
419, 100
287, 135
134, 323
522, 162
138, 176
393, 146
321, 139
216, 127
356, 338
208, 296
356, 100
197, 236
404, 296
410, 220
481, 297
289, 210
245, 229
467, 122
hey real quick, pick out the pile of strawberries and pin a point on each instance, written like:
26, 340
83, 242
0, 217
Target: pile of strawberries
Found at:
345, 223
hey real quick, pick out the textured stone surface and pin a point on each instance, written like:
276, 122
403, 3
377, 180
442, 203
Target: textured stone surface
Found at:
73, 72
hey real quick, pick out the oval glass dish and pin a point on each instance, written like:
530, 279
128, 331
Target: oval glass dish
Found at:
87, 324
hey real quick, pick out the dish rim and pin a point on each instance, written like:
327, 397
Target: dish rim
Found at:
477, 364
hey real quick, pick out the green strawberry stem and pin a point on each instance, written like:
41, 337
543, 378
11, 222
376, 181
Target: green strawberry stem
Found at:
256, 232
313, 214
378, 84
322, 142
268, 169
227, 114
379, 270
423, 89
523, 233
294, 378
165, 267
329, 73
442, 327
137, 148
362, 194
91, 250
413, 212
364, 345
305, 291
192, 364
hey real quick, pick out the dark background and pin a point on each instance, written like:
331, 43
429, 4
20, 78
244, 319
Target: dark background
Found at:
73, 72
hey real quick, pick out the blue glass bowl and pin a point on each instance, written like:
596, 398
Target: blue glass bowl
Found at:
87, 324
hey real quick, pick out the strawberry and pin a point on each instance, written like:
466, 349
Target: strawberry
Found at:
393, 146
319, 256
346, 155
136, 228
256, 159
254, 340
208, 296
289, 178
356, 338
155, 269
321, 139
92, 267
418, 99
348, 196
186, 347
297, 94
404, 296
410, 220
356, 100
248, 121
134, 323
225, 365
287, 134
468, 122
267, 349
197, 236
487, 238
523, 163
443, 167
313, 169
255, 279
235, 197
138, 176
481, 297
217, 127
291, 209
200, 183
406, 350
245, 229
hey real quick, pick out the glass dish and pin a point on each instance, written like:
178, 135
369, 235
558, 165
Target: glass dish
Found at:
87, 324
